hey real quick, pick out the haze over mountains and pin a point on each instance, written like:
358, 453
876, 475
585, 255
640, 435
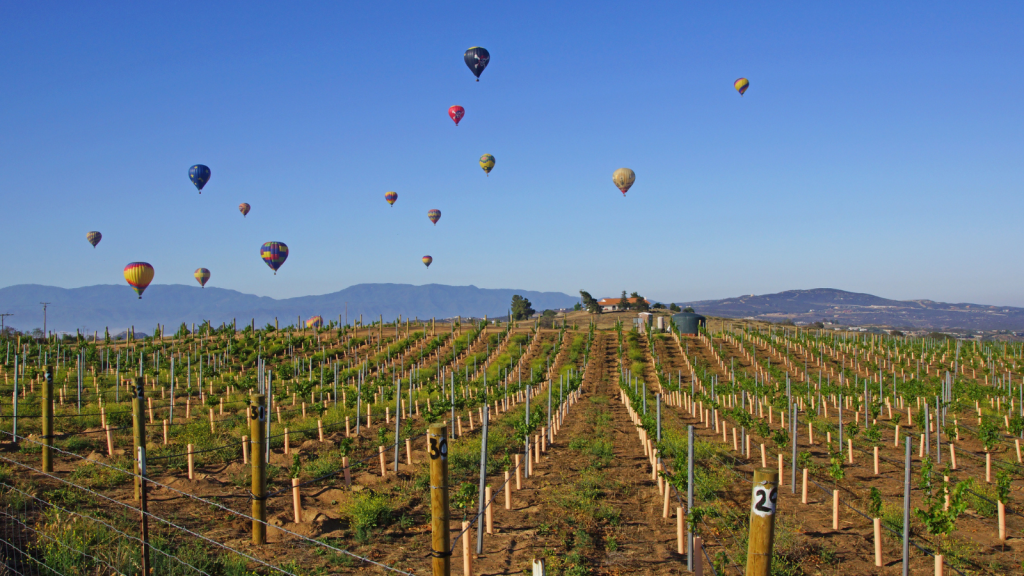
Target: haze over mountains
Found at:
852, 308
117, 307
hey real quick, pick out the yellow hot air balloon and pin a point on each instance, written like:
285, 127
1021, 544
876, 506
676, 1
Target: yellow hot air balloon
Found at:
487, 162
138, 275
741, 85
623, 179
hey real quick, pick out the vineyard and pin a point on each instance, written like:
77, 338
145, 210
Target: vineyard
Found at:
581, 449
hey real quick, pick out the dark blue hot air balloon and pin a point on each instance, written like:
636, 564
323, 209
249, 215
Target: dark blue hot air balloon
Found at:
199, 175
477, 59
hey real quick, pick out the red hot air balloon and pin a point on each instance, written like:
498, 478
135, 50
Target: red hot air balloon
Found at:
456, 112
434, 215
427, 260
244, 209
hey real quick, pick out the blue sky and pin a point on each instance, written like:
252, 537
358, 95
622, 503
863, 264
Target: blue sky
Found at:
878, 148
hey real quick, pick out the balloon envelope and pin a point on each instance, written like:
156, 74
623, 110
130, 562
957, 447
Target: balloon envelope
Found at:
477, 59
94, 238
434, 215
487, 162
623, 179
202, 276
138, 275
315, 322
456, 113
741, 85
274, 254
427, 260
391, 197
244, 208
199, 175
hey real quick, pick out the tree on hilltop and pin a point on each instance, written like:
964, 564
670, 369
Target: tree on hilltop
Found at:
589, 302
521, 308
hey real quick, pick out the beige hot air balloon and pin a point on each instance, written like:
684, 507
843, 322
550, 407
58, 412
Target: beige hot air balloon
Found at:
623, 179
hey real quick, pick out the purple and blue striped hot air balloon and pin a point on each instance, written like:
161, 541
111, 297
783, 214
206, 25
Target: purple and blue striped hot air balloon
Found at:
274, 254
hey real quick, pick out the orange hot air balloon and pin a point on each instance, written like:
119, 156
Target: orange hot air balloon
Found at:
427, 260
202, 276
315, 322
244, 209
456, 113
391, 197
138, 275
741, 85
434, 215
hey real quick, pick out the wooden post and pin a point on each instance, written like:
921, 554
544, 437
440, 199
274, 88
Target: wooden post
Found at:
257, 435
138, 432
140, 464
437, 450
48, 420
698, 556
762, 521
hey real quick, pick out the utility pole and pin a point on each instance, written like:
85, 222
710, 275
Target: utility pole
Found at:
45, 304
2, 316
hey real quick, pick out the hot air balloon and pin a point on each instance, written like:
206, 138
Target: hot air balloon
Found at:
244, 209
202, 276
477, 59
741, 85
434, 215
391, 197
623, 179
94, 238
314, 322
274, 254
487, 162
427, 260
456, 112
138, 275
199, 175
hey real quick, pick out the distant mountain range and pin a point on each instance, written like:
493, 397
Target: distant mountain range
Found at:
851, 308
117, 307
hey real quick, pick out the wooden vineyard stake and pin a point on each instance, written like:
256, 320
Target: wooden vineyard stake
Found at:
47, 418
762, 522
138, 431
257, 434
